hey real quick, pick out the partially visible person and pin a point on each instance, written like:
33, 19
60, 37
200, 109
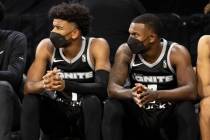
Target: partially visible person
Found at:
12, 63
203, 77
206, 9
111, 19
158, 102
206, 20
66, 80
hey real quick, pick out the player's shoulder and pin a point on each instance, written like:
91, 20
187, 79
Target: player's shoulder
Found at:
98, 44
99, 41
45, 43
123, 52
45, 46
124, 49
179, 49
204, 41
179, 54
204, 45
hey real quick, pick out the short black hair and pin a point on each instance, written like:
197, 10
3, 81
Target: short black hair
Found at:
2, 11
76, 13
152, 21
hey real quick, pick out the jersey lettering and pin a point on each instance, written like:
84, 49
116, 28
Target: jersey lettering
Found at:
76, 75
153, 79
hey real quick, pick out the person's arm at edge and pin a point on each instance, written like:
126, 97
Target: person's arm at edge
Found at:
17, 60
203, 66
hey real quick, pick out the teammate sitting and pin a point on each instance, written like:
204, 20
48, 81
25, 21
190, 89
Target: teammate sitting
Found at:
162, 81
79, 67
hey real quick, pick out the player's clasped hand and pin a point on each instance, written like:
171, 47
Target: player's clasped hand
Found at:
142, 95
52, 81
136, 93
148, 96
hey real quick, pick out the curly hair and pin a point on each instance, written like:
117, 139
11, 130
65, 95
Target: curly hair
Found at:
75, 13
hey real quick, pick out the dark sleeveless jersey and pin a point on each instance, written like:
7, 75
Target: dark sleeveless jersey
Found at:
79, 68
159, 75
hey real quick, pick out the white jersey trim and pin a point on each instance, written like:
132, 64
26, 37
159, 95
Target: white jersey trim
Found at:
168, 58
77, 56
132, 60
164, 43
53, 57
88, 54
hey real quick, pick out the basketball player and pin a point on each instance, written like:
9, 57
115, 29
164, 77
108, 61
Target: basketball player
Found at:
58, 97
203, 74
161, 76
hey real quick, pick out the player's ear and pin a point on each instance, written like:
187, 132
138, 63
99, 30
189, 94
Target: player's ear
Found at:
75, 34
152, 37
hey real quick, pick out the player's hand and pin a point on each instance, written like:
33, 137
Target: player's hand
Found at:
58, 84
53, 81
47, 80
140, 88
135, 95
136, 91
148, 96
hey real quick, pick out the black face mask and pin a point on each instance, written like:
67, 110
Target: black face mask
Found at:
135, 45
58, 40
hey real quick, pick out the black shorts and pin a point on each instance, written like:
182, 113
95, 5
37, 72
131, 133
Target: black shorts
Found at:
58, 118
148, 123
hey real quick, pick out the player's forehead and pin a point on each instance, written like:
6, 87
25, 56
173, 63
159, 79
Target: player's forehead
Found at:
63, 23
137, 28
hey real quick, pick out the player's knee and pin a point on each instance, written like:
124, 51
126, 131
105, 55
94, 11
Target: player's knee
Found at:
91, 101
113, 110
92, 104
30, 105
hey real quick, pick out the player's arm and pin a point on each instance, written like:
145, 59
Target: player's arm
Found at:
34, 83
186, 90
119, 74
203, 66
99, 54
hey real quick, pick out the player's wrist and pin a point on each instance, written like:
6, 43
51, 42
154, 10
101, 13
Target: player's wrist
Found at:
42, 85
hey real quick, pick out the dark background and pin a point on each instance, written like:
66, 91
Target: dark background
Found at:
183, 19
